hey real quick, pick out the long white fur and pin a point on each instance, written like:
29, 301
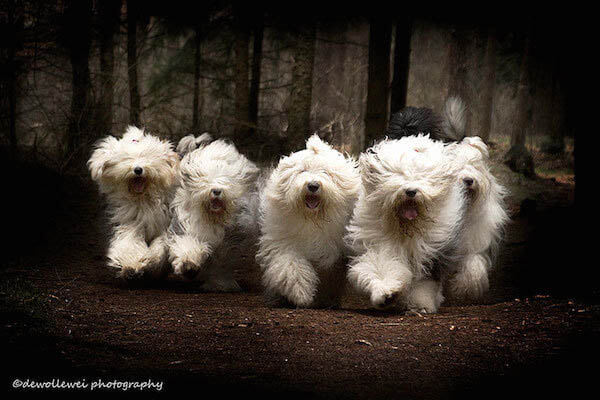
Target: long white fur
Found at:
484, 219
139, 220
199, 230
394, 255
301, 249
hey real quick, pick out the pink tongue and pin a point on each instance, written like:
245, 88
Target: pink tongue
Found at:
138, 185
409, 213
312, 202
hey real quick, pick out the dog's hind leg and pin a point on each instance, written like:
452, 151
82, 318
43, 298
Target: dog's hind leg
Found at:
425, 296
471, 281
156, 266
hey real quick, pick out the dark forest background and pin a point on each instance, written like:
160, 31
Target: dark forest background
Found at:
269, 75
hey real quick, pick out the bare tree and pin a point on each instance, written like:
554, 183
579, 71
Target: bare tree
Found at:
110, 12
378, 99
556, 122
197, 60
13, 27
258, 33
459, 69
78, 15
132, 62
242, 90
302, 77
518, 158
402, 36
486, 102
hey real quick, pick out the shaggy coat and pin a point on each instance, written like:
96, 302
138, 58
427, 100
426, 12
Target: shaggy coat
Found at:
305, 205
483, 223
406, 221
136, 174
213, 182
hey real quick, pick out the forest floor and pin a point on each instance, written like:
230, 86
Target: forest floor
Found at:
65, 316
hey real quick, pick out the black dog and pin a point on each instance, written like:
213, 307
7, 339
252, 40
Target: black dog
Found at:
414, 120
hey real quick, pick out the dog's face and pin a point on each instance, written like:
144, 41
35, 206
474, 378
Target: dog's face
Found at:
136, 165
316, 181
472, 155
405, 178
216, 176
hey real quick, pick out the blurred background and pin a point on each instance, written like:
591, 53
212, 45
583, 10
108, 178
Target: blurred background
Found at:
267, 75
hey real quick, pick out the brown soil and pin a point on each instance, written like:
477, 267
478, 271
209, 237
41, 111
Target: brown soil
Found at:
65, 315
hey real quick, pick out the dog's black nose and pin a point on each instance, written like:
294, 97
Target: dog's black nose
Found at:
138, 170
216, 192
468, 181
411, 193
313, 186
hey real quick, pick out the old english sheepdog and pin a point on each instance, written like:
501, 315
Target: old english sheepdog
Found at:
137, 174
214, 178
406, 221
304, 207
483, 223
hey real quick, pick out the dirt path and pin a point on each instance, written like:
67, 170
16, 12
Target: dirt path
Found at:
65, 315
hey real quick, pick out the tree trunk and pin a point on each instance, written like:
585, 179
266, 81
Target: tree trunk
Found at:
14, 25
255, 80
110, 11
518, 158
242, 90
402, 37
459, 70
301, 94
489, 85
132, 62
556, 141
197, 61
78, 19
378, 106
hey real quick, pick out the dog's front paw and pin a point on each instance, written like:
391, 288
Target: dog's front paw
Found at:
130, 273
383, 297
384, 300
184, 268
301, 297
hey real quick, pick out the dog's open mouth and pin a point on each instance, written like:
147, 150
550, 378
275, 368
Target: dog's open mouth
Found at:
137, 185
312, 201
217, 205
409, 210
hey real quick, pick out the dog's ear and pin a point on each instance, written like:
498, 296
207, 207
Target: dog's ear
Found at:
370, 169
317, 145
101, 157
476, 142
173, 160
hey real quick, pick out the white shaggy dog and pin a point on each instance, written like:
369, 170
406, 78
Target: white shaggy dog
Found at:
483, 222
304, 207
406, 220
213, 181
136, 174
